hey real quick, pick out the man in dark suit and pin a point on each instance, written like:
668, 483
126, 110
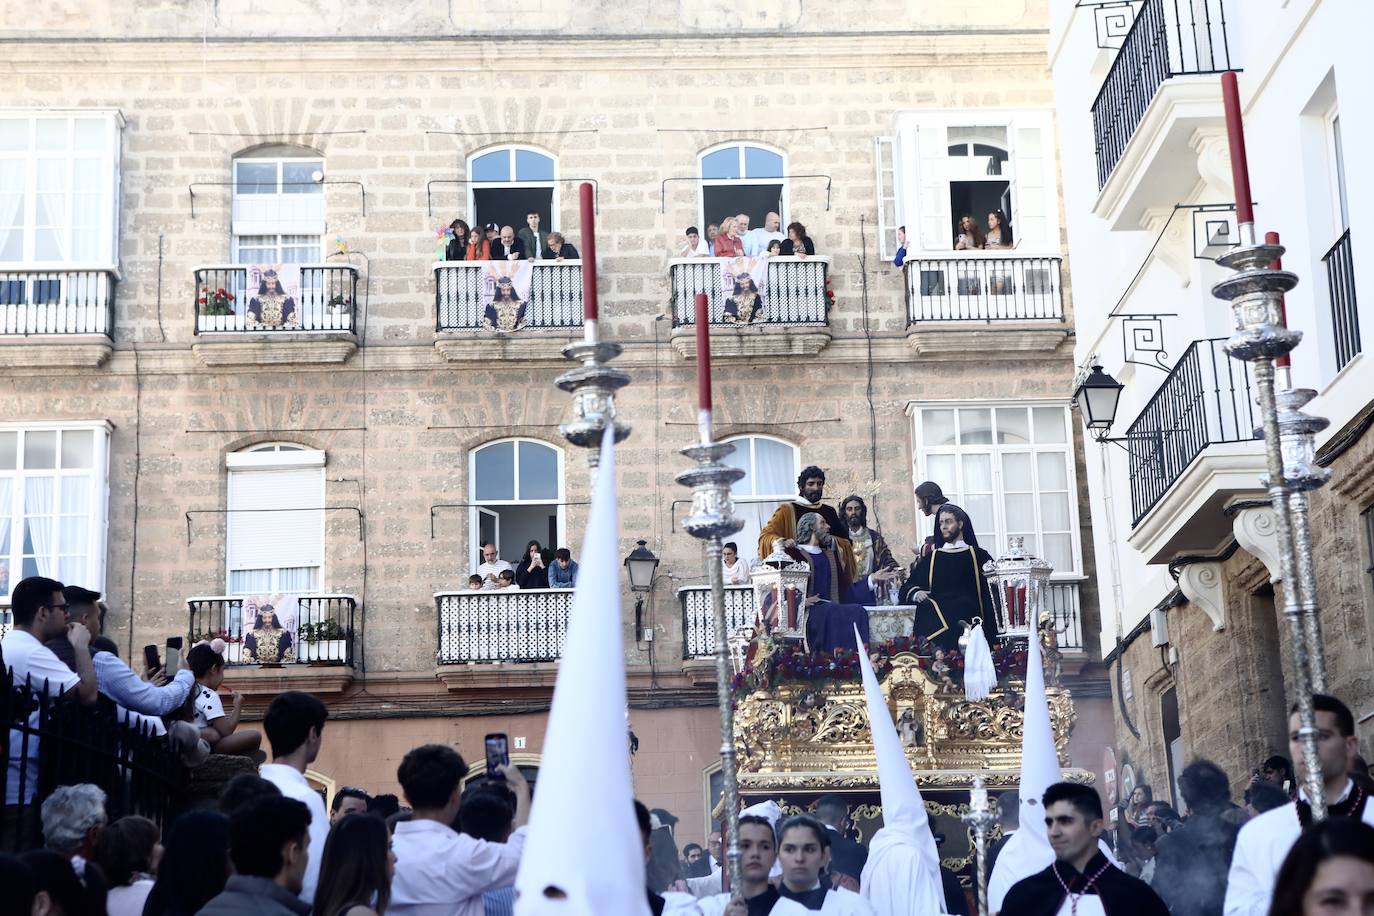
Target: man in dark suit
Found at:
847, 857
533, 238
507, 247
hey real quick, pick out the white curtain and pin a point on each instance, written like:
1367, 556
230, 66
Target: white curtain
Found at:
6, 505
38, 507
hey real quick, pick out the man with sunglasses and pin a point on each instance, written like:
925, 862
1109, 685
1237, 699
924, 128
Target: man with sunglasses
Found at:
39, 612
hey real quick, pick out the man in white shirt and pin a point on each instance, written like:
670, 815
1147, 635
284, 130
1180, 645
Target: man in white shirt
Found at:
39, 612
491, 567
756, 240
1264, 842
440, 872
295, 727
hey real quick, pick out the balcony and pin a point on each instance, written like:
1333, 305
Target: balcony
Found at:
967, 300
496, 626
67, 314
315, 325
1192, 450
1345, 312
319, 633
792, 317
467, 328
1158, 112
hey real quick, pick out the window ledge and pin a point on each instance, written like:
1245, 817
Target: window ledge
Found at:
275, 348
754, 340
955, 341
529, 345
265, 683
79, 350
493, 675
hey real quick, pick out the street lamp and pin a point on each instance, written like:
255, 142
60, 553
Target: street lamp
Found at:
641, 565
1097, 397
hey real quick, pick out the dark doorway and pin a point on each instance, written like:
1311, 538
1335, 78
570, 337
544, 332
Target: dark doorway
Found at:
1173, 742
508, 206
758, 200
977, 199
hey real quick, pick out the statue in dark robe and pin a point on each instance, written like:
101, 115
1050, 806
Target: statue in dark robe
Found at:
948, 585
781, 529
872, 558
832, 615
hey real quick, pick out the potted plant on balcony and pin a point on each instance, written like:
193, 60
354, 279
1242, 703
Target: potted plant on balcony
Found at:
324, 642
340, 309
215, 309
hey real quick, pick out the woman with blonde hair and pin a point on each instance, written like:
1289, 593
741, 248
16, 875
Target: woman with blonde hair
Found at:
728, 244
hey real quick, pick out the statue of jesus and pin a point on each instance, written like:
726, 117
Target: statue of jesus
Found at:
948, 586
781, 529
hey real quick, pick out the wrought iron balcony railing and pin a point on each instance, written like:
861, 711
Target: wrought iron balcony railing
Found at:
319, 633
1345, 313
794, 291
462, 293
983, 286
528, 625
1206, 400
325, 301
57, 302
1168, 38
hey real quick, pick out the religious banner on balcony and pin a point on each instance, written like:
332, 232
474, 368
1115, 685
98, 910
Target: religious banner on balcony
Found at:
506, 294
742, 282
270, 629
274, 297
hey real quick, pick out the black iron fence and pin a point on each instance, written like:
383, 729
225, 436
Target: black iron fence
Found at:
318, 632
977, 288
57, 302
53, 740
1168, 38
1205, 400
1345, 313
228, 299
464, 298
794, 291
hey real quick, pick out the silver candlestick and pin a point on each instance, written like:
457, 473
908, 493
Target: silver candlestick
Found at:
1255, 292
713, 519
593, 386
1302, 474
980, 818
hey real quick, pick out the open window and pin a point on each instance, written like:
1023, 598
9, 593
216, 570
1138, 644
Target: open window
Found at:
743, 178
516, 492
770, 470
506, 183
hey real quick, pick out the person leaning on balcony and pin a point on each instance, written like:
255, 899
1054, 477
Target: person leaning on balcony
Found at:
736, 570
900, 259
457, 247
479, 248
999, 231
507, 247
728, 244
797, 244
491, 566
560, 249
970, 234
532, 238
563, 572
693, 245
756, 240
533, 571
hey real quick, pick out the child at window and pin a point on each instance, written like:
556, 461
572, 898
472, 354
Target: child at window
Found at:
505, 581
218, 729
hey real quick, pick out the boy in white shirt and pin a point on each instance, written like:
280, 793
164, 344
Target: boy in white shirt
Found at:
219, 730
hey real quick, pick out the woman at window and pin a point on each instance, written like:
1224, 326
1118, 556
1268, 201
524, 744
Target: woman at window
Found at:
999, 231
533, 571
970, 235
457, 248
798, 243
728, 244
479, 249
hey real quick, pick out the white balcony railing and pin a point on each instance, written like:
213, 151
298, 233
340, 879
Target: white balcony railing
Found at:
57, 302
983, 286
500, 626
793, 291
320, 633
698, 620
460, 301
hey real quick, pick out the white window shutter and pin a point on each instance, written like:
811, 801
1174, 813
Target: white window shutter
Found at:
259, 540
932, 188
1035, 220
888, 216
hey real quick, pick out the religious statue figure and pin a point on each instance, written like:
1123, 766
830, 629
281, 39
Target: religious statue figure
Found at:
745, 305
782, 527
872, 558
507, 310
949, 585
909, 730
268, 643
832, 616
939, 669
272, 308
1049, 648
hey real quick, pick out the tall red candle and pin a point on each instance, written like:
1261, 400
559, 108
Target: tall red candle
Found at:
703, 319
1235, 136
1272, 238
587, 201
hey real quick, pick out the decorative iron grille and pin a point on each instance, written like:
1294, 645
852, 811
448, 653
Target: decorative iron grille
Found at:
529, 625
699, 622
794, 291
555, 295
973, 288
321, 634
327, 300
1345, 313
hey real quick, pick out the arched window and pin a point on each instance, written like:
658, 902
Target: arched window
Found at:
770, 469
506, 183
516, 491
275, 529
278, 214
743, 178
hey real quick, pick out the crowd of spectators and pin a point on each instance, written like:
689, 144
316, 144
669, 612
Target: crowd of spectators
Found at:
539, 567
503, 243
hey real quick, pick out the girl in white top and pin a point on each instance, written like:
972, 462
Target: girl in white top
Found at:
736, 570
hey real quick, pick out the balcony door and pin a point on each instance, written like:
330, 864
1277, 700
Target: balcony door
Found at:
516, 496
506, 184
743, 178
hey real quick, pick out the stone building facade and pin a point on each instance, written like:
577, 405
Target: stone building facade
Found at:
389, 107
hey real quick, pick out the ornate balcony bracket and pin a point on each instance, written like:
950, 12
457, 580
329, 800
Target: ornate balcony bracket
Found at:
1204, 587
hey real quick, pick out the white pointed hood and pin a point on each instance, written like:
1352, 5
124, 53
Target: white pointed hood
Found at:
586, 753
902, 875
1028, 851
